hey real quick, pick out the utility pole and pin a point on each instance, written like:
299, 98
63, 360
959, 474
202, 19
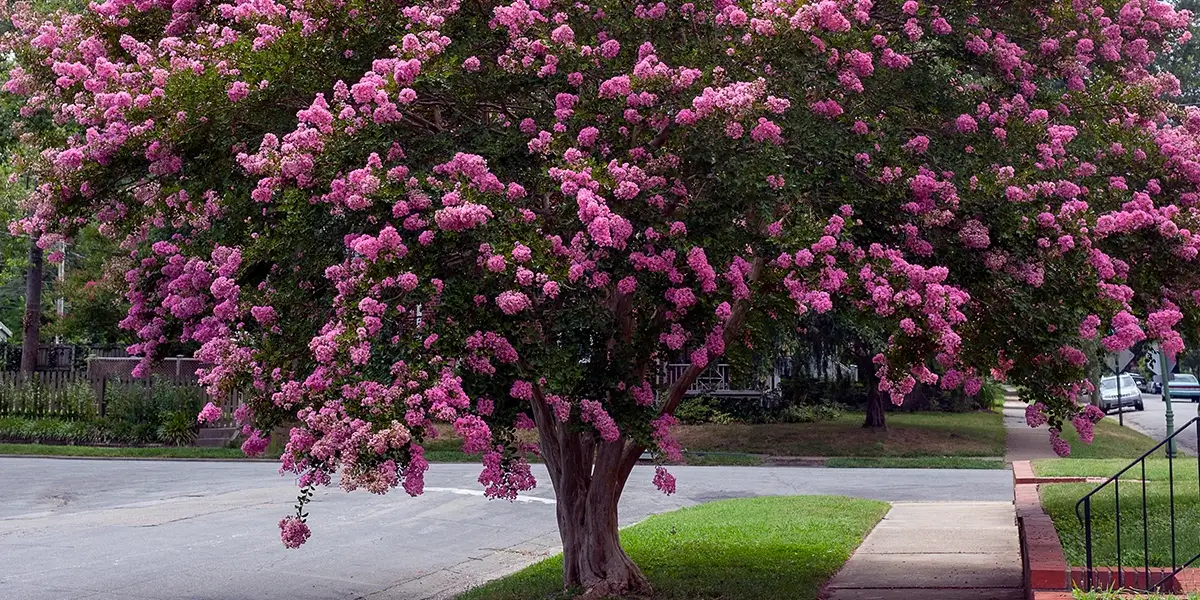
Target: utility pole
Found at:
32, 324
60, 303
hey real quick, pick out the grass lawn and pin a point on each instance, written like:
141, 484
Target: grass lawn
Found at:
1111, 441
1116, 595
752, 549
907, 435
1112, 449
99, 451
921, 462
1059, 501
1157, 469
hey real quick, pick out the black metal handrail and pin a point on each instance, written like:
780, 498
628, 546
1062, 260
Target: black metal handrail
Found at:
1085, 519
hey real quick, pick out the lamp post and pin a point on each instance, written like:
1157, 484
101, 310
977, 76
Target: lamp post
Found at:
1165, 368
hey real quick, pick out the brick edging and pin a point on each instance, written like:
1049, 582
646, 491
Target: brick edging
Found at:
1045, 565
1023, 474
1047, 574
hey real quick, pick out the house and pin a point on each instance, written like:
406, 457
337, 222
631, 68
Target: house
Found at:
5, 332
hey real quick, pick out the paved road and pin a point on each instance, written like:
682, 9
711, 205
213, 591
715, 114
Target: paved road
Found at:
135, 530
1153, 420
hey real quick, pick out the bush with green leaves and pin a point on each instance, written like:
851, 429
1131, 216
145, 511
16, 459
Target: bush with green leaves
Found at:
178, 428
815, 413
148, 404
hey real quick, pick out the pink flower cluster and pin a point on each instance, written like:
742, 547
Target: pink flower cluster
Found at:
210, 414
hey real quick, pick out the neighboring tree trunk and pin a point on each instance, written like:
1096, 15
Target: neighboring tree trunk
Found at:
876, 417
33, 311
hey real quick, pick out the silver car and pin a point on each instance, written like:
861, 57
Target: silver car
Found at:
1114, 396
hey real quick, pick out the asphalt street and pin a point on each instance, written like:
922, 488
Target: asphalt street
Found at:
137, 530
1153, 420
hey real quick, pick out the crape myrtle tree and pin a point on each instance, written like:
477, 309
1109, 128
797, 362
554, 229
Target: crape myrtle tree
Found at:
379, 216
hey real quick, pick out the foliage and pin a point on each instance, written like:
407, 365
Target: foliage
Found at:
93, 292
701, 409
809, 414
759, 548
505, 215
1184, 62
143, 408
803, 391
138, 413
179, 428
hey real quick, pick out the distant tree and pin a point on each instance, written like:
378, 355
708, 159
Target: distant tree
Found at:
93, 292
1184, 62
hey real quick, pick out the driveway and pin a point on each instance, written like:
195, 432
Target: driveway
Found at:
135, 530
1153, 420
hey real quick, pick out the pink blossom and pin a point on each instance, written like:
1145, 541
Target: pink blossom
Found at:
1035, 415
256, 444
238, 90
210, 414
1059, 445
664, 481
294, 532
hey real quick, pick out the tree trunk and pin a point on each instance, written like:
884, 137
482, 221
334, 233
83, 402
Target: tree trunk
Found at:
33, 311
593, 559
588, 477
876, 417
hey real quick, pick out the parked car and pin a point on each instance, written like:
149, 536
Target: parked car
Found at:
1114, 396
1142, 384
1185, 387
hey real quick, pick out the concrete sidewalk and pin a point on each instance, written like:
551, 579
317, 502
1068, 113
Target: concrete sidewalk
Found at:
1021, 441
936, 551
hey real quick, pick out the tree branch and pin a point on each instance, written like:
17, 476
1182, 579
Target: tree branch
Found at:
732, 328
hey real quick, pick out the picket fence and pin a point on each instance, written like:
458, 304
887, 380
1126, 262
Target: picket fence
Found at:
74, 395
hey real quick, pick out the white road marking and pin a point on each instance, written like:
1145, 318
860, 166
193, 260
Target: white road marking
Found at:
466, 492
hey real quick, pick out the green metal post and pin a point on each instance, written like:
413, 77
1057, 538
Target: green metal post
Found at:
1166, 396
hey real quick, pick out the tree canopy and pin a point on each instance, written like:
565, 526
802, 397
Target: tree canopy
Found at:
376, 216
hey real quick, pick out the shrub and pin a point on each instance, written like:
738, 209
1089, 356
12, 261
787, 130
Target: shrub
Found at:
57, 431
178, 428
991, 396
699, 410
809, 414
149, 404
132, 403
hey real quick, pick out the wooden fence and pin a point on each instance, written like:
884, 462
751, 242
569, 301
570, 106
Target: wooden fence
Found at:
58, 394
74, 395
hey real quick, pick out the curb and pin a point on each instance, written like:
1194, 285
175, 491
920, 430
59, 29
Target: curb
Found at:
1023, 474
